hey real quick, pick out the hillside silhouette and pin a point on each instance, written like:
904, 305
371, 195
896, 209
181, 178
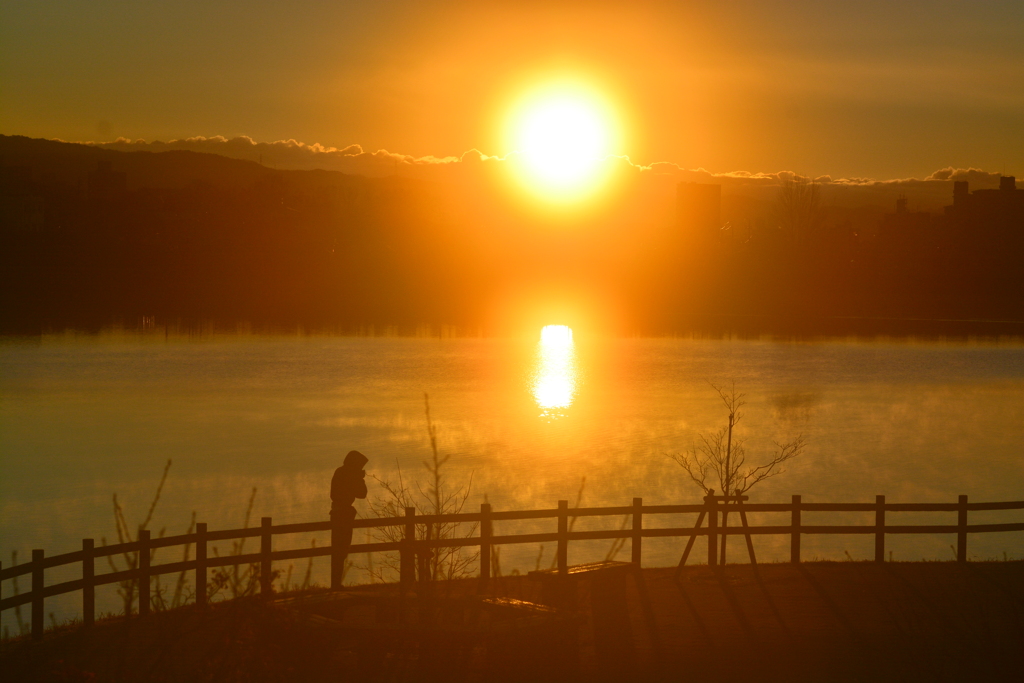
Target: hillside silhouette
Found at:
94, 236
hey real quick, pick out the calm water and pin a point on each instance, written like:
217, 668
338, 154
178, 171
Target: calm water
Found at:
524, 421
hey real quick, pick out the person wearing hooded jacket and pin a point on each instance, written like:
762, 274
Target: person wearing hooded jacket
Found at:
347, 484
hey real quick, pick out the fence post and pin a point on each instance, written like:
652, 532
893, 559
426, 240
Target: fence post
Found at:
407, 567
201, 564
794, 543
709, 500
563, 537
961, 534
143, 572
879, 528
638, 526
485, 544
37, 594
266, 543
88, 587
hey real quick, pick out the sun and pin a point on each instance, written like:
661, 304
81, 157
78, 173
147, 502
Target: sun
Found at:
561, 134
562, 139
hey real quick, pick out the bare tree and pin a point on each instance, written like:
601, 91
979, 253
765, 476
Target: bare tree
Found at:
128, 588
799, 209
719, 459
439, 498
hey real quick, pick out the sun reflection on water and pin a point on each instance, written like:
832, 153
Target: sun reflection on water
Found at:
555, 374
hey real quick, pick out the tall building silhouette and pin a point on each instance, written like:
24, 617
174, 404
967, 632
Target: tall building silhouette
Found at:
989, 209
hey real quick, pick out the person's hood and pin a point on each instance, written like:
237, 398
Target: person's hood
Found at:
355, 459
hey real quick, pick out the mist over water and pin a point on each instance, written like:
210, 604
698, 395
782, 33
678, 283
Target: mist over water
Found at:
524, 420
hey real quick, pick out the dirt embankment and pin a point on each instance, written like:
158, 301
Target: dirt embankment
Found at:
845, 621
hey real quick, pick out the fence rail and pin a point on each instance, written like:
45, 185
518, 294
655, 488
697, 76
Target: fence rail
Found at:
409, 546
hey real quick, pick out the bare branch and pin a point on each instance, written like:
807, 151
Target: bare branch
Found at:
787, 451
719, 459
436, 498
156, 498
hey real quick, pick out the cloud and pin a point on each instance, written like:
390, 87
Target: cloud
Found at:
975, 175
932, 191
289, 154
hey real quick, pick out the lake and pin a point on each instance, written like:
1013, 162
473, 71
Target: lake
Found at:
523, 420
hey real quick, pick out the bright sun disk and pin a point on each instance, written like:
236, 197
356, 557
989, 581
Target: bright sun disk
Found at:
562, 135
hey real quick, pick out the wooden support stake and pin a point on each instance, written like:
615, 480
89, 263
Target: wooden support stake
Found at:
750, 540
712, 530
879, 528
961, 534
485, 546
638, 528
201, 564
266, 544
690, 541
794, 543
37, 594
143, 572
563, 537
88, 587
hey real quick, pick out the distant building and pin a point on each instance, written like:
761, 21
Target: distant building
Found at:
105, 183
987, 210
699, 209
905, 223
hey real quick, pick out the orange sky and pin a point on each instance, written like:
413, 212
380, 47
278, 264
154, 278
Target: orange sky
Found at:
865, 89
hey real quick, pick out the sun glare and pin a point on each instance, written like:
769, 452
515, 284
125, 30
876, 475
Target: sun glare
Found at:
561, 135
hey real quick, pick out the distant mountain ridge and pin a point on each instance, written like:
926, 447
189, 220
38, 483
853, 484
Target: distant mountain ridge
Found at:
174, 169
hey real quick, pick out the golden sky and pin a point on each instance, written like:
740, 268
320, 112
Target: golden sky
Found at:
851, 89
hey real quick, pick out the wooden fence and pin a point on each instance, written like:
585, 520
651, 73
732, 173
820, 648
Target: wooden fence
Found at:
485, 540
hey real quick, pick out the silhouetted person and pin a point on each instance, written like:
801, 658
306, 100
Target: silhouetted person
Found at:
347, 484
